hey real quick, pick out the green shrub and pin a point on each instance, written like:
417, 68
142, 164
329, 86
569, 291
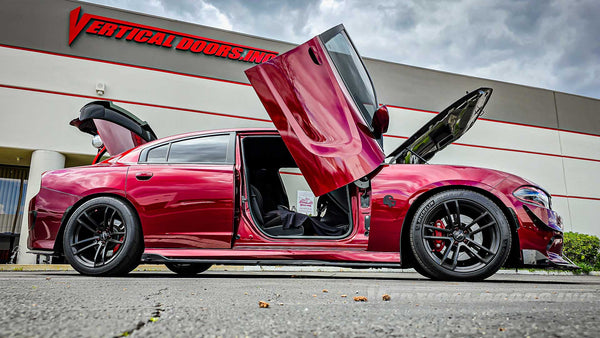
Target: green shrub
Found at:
583, 250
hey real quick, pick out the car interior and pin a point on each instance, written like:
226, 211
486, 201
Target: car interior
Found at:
266, 159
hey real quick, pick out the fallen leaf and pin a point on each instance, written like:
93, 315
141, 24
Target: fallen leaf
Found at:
360, 299
325, 291
501, 329
314, 295
262, 304
344, 296
386, 297
47, 278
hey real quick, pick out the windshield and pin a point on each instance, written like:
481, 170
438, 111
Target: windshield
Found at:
352, 71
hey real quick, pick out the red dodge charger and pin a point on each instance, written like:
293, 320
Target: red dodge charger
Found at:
220, 197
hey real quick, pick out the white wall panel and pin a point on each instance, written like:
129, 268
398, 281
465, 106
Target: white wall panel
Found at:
583, 178
580, 145
584, 216
77, 76
405, 122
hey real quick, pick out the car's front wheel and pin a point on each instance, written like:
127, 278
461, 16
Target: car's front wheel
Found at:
459, 235
103, 237
188, 269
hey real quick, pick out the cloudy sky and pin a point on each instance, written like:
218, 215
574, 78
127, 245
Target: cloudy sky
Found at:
552, 44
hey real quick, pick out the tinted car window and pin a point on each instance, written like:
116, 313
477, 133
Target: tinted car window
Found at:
353, 73
210, 149
158, 154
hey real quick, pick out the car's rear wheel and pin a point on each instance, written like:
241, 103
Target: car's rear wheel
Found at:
103, 237
188, 269
459, 235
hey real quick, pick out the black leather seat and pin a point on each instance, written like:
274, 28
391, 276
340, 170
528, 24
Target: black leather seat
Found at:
271, 221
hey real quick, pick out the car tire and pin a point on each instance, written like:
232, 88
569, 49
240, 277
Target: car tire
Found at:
459, 235
188, 269
103, 237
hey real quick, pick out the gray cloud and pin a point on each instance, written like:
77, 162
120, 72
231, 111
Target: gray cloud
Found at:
551, 44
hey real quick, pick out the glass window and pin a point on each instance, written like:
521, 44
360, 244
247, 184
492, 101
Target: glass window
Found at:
158, 154
353, 73
210, 149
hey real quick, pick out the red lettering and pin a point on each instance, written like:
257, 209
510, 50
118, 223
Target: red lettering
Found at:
236, 53
157, 39
122, 31
185, 44
132, 34
143, 35
198, 46
211, 48
248, 55
268, 57
108, 29
257, 57
223, 50
93, 29
168, 42
75, 24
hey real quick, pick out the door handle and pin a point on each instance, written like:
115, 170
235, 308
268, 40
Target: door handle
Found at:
143, 176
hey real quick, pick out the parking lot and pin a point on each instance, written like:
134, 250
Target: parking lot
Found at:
226, 303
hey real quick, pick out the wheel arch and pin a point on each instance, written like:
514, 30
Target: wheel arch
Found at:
407, 258
58, 248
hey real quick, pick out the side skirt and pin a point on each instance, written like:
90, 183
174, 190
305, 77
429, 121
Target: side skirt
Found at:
158, 259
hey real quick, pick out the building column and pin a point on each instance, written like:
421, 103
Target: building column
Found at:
41, 160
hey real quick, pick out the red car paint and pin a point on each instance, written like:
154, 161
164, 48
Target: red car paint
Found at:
202, 211
176, 224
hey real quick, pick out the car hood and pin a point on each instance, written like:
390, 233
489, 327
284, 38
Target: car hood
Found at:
445, 128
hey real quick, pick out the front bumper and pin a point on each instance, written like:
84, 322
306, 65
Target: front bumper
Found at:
543, 244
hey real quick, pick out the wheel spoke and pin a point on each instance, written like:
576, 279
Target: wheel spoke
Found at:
483, 228
85, 225
117, 233
476, 220
105, 218
480, 246
436, 237
84, 248
104, 253
84, 241
436, 228
448, 248
474, 253
115, 241
455, 258
96, 254
91, 220
450, 219
458, 223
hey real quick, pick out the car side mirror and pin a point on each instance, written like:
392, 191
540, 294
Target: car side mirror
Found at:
381, 121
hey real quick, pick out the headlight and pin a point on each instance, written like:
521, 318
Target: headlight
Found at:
533, 195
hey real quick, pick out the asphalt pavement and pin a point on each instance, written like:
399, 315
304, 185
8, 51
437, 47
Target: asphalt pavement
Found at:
226, 303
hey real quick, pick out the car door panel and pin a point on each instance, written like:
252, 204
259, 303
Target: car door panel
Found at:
183, 205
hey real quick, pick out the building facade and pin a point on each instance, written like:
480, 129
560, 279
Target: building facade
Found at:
56, 56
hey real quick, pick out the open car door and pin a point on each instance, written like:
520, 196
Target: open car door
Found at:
118, 129
321, 99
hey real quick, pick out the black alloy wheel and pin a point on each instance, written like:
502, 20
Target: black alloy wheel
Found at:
103, 237
459, 235
188, 269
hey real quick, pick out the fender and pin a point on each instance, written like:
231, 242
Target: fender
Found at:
396, 188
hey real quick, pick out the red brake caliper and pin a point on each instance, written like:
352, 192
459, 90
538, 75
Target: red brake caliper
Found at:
438, 244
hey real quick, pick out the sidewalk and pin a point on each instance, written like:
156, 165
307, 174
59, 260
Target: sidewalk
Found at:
272, 268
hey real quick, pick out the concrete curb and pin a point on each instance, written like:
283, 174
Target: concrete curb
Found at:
277, 268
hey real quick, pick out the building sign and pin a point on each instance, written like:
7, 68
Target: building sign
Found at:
136, 33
